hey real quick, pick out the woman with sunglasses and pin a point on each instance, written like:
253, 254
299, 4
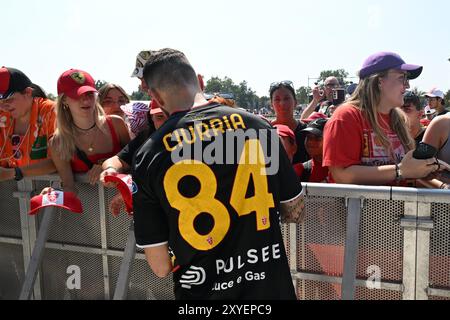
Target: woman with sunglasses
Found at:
284, 101
85, 136
367, 140
112, 97
27, 121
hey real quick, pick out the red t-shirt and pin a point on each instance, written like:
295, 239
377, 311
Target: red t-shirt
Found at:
350, 140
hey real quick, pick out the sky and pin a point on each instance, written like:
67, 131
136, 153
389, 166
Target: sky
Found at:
257, 41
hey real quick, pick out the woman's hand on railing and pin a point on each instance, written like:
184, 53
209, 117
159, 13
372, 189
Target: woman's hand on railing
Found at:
94, 174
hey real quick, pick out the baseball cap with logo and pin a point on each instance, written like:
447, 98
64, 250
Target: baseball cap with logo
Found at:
12, 81
141, 60
74, 83
316, 127
126, 187
383, 61
56, 198
435, 93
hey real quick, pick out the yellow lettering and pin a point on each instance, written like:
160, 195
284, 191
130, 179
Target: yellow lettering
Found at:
202, 130
185, 135
237, 121
216, 126
227, 123
166, 140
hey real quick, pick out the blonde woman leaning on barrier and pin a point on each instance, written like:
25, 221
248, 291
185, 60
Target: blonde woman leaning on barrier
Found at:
85, 137
367, 140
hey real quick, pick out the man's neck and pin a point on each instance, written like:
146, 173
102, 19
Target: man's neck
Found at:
181, 105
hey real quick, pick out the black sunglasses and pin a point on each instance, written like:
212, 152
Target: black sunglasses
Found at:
285, 83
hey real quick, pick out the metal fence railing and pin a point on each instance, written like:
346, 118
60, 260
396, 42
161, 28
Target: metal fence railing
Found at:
357, 242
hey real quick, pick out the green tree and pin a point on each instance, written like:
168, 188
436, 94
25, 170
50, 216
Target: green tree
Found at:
340, 74
302, 95
447, 97
139, 95
245, 97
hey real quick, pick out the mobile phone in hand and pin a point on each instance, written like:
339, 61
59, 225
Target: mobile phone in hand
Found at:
425, 151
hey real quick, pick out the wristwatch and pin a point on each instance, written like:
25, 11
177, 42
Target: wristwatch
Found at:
18, 174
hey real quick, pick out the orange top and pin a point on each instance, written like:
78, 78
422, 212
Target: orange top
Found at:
18, 151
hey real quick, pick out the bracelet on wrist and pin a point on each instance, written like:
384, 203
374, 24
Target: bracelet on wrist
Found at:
398, 173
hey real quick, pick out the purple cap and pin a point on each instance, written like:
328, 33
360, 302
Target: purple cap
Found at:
383, 61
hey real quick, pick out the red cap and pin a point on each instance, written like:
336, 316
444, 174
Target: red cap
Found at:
11, 81
284, 131
126, 187
155, 107
315, 116
74, 83
425, 122
66, 200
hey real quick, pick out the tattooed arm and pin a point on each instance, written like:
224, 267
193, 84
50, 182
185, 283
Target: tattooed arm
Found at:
293, 211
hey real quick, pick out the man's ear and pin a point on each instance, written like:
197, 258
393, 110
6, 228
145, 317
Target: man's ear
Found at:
201, 82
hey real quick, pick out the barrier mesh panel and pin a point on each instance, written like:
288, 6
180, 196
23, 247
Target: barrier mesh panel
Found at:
10, 211
439, 273
321, 246
12, 272
143, 285
55, 276
381, 240
116, 227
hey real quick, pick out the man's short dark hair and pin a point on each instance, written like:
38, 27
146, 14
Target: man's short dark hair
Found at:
169, 68
411, 97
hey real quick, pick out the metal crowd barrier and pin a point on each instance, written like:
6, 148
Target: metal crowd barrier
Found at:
357, 242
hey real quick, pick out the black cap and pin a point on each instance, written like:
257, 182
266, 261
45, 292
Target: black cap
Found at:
316, 127
11, 81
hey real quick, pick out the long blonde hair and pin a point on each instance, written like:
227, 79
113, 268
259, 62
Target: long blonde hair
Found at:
65, 135
367, 97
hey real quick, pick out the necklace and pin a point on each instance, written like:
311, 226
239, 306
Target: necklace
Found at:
88, 129
91, 146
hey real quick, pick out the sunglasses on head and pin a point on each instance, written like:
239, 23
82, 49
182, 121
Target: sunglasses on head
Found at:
285, 83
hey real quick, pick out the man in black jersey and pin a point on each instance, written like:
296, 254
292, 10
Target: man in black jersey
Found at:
212, 183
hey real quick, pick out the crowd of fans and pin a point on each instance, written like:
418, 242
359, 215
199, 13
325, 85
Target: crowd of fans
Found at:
365, 135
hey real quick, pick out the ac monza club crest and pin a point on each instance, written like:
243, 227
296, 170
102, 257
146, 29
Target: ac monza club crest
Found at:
264, 220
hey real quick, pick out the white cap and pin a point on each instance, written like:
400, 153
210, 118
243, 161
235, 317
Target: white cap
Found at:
435, 93
141, 60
